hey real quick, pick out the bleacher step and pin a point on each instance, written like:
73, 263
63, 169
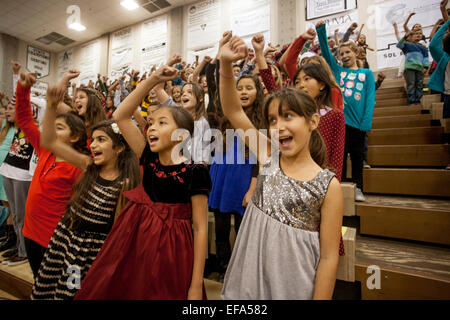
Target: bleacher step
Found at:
417, 182
397, 111
406, 270
386, 96
406, 136
429, 155
396, 102
404, 121
410, 218
385, 90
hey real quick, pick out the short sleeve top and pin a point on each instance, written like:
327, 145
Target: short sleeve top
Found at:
173, 183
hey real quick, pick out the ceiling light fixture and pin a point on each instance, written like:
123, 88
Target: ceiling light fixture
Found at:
76, 26
129, 4
73, 21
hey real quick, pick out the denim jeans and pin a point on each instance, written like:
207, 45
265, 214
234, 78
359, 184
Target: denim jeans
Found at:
414, 85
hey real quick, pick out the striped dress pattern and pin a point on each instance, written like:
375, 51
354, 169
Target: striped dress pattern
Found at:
74, 246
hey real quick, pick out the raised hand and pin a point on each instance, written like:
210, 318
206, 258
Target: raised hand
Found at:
165, 73
258, 43
225, 38
27, 79
55, 94
176, 58
319, 24
381, 76
353, 26
310, 34
233, 50
207, 59
15, 67
71, 74
270, 50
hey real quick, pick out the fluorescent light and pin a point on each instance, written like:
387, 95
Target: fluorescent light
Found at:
77, 26
129, 4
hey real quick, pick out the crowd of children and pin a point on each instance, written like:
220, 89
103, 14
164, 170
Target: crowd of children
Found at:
105, 188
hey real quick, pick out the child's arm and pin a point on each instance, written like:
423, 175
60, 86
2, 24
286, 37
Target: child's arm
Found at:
330, 235
248, 196
161, 94
24, 116
405, 25
139, 118
436, 49
283, 58
369, 104
297, 47
68, 75
326, 52
16, 68
397, 34
443, 7
336, 37
265, 71
349, 32
359, 33
123, 115
234, 50
199, 68
199, 210
49, 141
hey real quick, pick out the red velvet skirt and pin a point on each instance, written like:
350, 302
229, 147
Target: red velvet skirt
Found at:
148, 254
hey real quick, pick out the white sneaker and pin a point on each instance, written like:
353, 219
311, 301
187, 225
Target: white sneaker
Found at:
359, 196
366, 165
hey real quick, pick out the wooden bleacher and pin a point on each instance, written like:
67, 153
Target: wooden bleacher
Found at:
405, 222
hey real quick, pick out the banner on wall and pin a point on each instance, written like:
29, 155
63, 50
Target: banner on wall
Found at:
38, 61
122, 38
39, 89
339, 21
203, 27
65, 62
427, 13
249, 20
322, 8
89, 64
210, 51
154, 43
121, 60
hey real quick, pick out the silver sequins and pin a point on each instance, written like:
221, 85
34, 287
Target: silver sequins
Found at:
289, 201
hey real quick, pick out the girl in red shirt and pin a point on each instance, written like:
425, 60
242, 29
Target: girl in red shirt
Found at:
51, 187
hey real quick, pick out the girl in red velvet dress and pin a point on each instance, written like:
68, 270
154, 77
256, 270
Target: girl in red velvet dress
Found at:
157, 247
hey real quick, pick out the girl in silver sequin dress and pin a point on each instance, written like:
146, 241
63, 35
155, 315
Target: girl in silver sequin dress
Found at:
278, 253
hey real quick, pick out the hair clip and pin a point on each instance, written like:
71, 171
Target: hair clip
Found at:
115, 128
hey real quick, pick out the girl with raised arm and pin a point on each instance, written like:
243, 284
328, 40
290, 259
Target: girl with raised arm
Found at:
53, 180
90, 214
157, 247
279, 254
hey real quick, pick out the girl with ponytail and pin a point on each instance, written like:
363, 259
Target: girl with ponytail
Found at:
278, 253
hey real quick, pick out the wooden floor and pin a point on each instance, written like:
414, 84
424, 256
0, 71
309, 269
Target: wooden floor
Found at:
415, 258
23, 272
411, 202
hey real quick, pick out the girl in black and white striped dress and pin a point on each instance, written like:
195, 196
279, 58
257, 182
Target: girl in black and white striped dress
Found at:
91, 213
